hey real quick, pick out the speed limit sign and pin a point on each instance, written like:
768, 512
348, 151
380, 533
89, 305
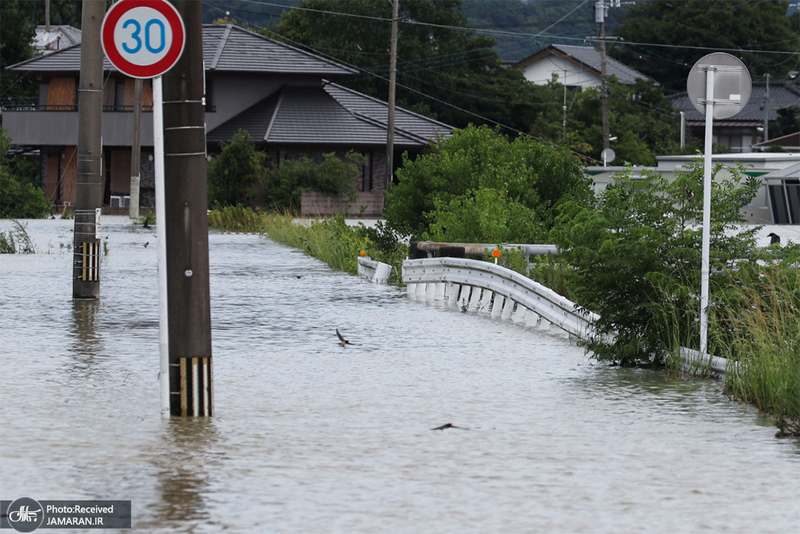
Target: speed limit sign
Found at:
143, 38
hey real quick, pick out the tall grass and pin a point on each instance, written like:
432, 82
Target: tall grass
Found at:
235, 219
761, 326
16, 240
331, 240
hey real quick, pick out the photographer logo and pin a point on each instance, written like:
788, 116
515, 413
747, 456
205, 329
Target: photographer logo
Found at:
25, 515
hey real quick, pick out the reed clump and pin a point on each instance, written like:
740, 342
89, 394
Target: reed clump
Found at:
235, 219
758, 326
16, 240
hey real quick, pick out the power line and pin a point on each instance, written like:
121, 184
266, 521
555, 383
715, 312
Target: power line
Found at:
505, 33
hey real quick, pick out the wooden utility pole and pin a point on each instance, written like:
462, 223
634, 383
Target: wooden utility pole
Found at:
89, 192
186, 222
392, 84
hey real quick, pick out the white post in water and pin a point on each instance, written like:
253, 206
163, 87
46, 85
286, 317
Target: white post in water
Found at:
161, 230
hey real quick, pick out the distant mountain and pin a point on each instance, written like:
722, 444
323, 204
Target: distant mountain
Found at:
522, 28
519, 27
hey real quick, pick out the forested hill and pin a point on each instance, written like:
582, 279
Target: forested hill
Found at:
520, 28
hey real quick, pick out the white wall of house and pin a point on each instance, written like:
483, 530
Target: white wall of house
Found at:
757, 164
542, 71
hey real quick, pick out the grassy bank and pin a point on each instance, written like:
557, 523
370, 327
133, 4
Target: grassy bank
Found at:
332, 240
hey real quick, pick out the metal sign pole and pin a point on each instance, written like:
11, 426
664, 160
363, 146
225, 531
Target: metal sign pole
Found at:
161, 230
718, 86
706, 247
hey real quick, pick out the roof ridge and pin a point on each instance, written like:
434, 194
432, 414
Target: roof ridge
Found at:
289, 46
220, 47
272, 119
404, 110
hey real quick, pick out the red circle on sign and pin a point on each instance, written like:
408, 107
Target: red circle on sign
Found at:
110, 47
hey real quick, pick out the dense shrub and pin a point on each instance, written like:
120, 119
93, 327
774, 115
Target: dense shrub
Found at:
235, 174
479, 186
239, 175
636, 258
19, 199
284, 185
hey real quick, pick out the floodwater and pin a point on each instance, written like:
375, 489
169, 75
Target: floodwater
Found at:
309, 436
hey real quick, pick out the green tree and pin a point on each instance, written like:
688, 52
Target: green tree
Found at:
479, 172
641, 117
697, 26
788, 122
239, 175
235, 175
635, 255
16, 44
18, 200
284, 185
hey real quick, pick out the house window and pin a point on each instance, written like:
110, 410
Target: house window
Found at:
367, 176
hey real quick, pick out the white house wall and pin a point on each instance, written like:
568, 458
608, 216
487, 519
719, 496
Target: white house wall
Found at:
758, 211
542, 71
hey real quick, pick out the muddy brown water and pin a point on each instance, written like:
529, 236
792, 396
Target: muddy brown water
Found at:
310, 436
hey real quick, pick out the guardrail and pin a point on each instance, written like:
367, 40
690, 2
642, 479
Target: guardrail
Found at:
480, 286
484, 287
696, 363
421, 249
373, 271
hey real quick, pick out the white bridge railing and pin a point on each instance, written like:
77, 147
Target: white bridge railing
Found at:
480, 286
373, 271
475, 285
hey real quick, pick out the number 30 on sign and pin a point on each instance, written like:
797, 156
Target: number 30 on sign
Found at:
143, 38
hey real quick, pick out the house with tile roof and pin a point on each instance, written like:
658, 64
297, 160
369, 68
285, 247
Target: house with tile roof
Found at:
574, 66
745, 129
55, 37
287, 98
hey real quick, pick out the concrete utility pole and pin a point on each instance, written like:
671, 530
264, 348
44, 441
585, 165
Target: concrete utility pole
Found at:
392, 83
186, 221
89, 193
136, 149
600, 11
766, 111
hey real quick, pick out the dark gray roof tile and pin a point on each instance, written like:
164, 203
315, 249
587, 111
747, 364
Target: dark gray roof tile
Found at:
781, 95
226, 49
327, 116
